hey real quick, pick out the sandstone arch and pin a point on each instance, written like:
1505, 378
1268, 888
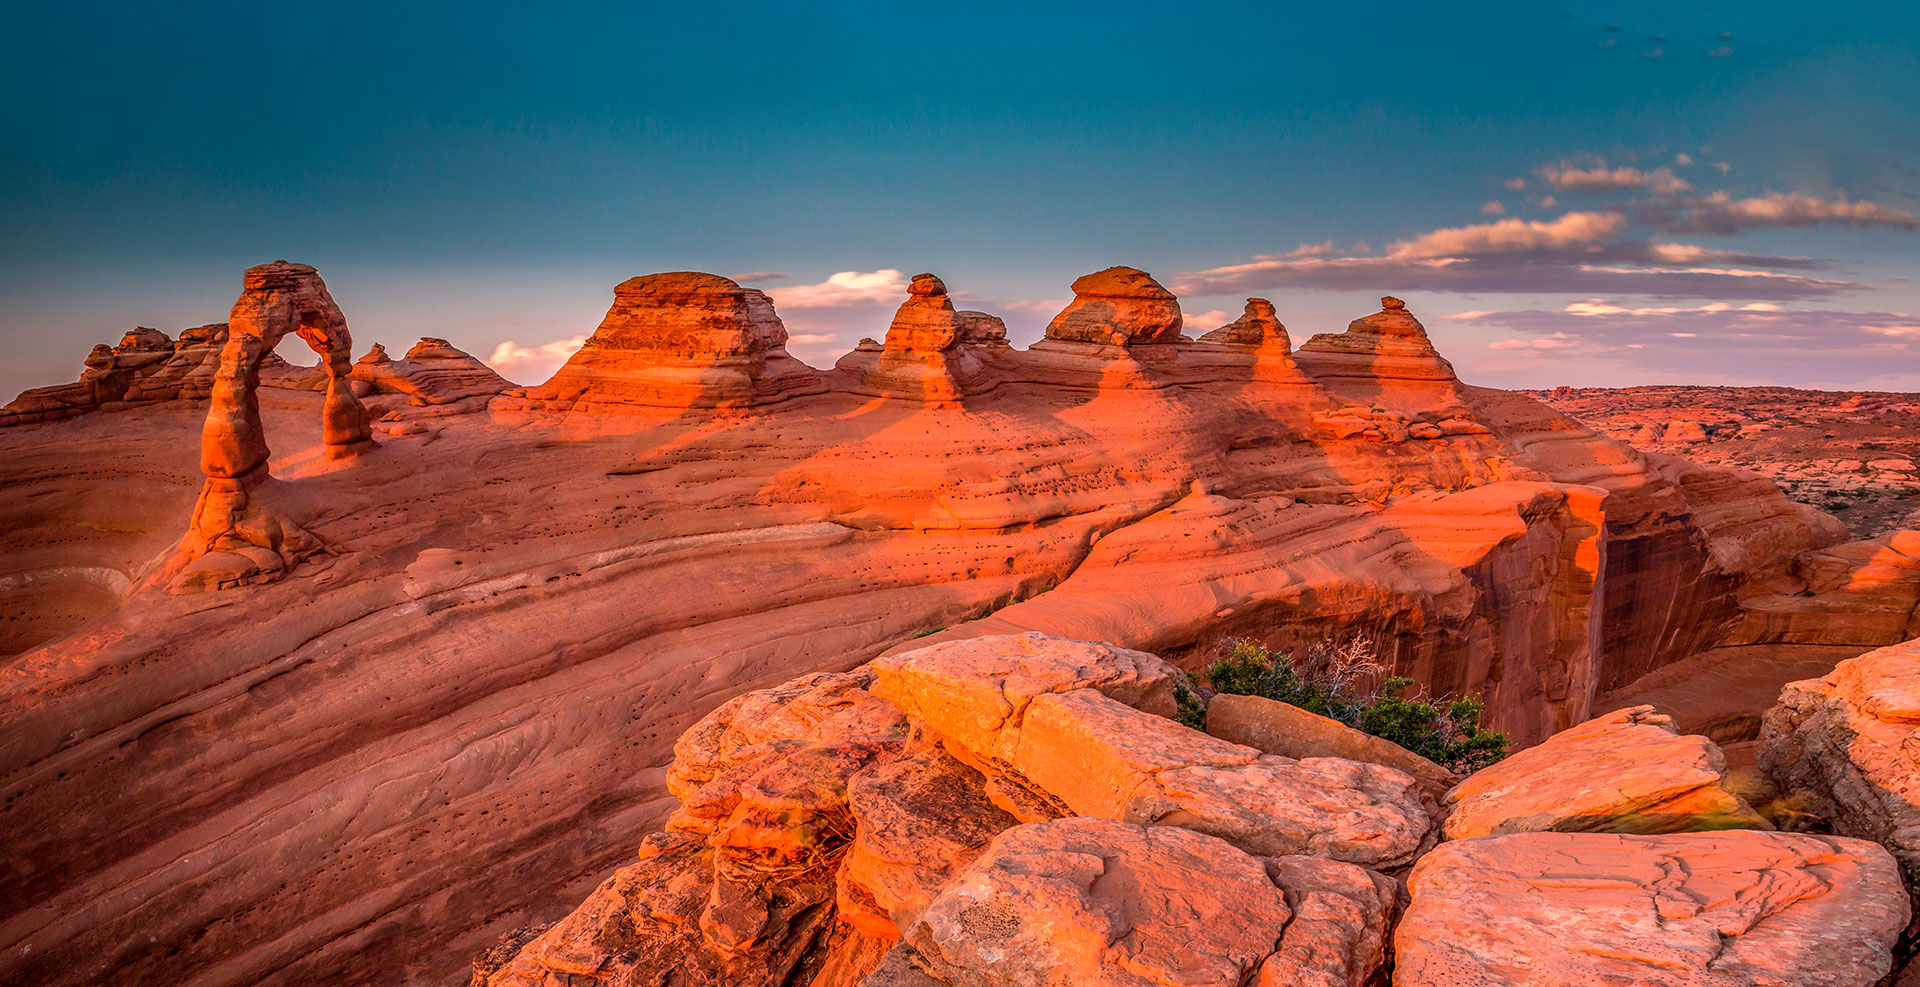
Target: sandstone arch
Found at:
232, 540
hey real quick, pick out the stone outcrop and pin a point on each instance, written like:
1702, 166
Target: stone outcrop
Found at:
233, 540
1390, 344
1257, 328
1118, 306
514, 621
680, 341
1844, 749
146, 367
1289, 731
1680, 910
1096, 902
433, 372
819, 819
1629, 771
932, 353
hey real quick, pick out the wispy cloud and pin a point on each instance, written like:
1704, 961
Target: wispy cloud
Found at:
532, 363
1722, 213
844, 288
751, 278
1571, 177
1511, 236
1493, 207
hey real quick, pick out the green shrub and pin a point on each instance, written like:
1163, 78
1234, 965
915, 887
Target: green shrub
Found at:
1326, 682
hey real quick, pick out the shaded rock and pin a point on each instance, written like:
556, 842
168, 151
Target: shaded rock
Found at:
434, 372
1629, 771
1342, 920
918, 818
679, 341
1119, 306
1683, 910
1289, 731
981, 329
923, 358
1847, 747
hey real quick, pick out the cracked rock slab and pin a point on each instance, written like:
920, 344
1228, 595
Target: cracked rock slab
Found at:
1726, 909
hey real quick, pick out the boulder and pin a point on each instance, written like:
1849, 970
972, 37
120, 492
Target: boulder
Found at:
1847, 747
974, 693
1729, 909
1629, 771
1120, 306
1289, 731
1093, 903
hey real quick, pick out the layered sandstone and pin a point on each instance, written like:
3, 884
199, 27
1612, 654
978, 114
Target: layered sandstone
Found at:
932, 352
1629, 771
483, 669
1389, 344
1118, 306
677, 342
1257, 328
1844, 748
1682, 910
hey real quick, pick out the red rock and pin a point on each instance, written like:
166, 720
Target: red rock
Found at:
1389, 344
1119, 306
676, 342
1257, 327
924, 359
1844, 748
1629, 771
1692, 909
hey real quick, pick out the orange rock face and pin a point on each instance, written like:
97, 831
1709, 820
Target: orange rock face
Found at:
1257, 327
460, 708
1685, 910
680, 341
1389, 344
1844, 746
1120, 306
1629, 771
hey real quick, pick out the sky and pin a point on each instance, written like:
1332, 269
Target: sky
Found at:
1572, 192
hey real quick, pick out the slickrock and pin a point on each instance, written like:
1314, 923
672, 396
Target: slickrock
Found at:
1096, 902
1118, 306
1729, 909
480, 683
1390, 344
1257, 328
1629, 771
1848, 747
677, 342
1289, 731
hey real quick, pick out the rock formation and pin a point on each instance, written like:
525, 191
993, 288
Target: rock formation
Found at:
145, 367
434, 372
678, 342
1684, 910
1289, 731
231, 539
465, 713
1119, 306
931, 352
1257, 328
1390, 345
1629, 771
1844, 748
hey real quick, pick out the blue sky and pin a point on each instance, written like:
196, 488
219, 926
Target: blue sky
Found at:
1584, 193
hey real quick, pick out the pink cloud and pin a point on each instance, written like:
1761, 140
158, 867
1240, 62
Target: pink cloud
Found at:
1511, 236
844, 288
1722, 213
1569, 177
536, 362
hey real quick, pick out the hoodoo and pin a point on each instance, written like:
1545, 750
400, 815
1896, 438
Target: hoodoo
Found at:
1120, 306
681, 341
1389, 344
1257, 328
931, 352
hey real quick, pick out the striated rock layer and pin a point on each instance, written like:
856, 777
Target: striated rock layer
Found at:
460, 706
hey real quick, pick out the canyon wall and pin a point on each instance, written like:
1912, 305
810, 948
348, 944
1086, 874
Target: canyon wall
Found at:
454, 715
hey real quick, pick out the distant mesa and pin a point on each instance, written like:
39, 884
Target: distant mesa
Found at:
677, 341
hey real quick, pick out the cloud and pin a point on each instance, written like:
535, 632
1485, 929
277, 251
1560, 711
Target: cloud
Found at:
1508, 273
844, 288
1720, 339
1493, 207
1721, 52
1569, 177
1548, 202
1467, 316
1516, 184
1199, 322
1722, 213
533, 363
759, 277
1511, 236
1683, 159
1043, 306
